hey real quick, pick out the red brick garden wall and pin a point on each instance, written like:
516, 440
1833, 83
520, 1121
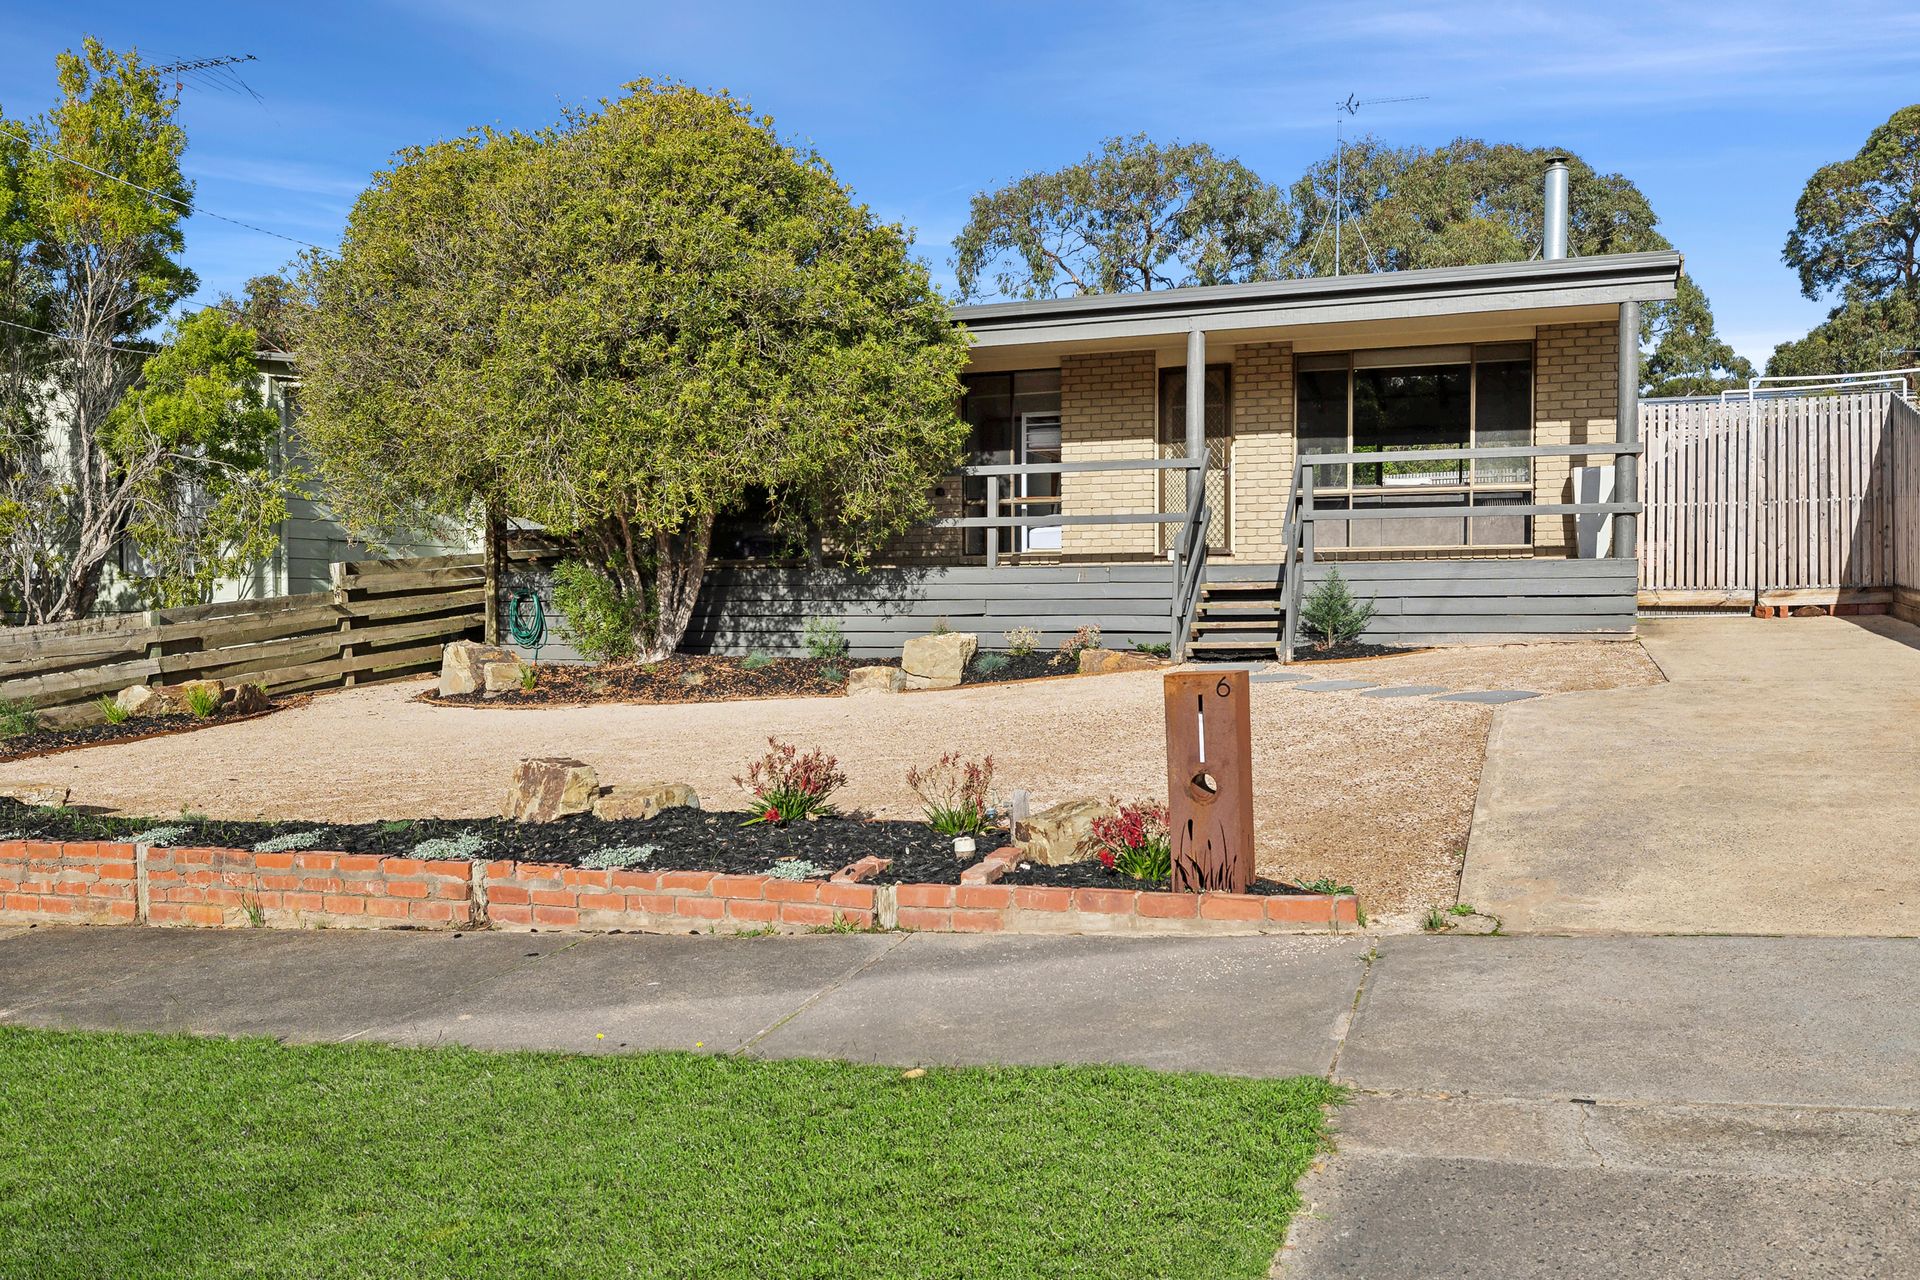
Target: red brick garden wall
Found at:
86, 883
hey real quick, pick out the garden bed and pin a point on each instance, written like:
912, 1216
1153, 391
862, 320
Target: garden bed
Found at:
687, 677
51, 741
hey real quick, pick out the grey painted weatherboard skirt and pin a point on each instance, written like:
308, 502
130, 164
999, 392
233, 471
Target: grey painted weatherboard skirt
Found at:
1415, 602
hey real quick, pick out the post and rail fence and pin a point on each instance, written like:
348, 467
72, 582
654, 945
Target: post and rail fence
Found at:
382, 619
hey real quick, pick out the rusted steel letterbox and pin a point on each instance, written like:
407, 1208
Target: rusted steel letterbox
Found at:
1210, 780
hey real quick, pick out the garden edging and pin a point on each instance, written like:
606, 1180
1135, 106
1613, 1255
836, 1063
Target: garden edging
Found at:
85, 882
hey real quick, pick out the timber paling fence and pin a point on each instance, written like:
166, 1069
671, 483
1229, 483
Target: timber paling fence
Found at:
383, 619
1810, 499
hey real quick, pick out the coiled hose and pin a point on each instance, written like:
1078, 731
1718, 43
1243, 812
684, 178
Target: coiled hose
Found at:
527, 621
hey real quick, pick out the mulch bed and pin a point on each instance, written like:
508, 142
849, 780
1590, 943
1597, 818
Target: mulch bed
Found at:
1094, 875
687, 677
46, 742
684, 840
1345, 652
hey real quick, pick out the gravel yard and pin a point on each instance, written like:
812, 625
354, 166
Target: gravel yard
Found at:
1374, 792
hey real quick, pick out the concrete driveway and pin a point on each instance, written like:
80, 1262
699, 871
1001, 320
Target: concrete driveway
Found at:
1772, 786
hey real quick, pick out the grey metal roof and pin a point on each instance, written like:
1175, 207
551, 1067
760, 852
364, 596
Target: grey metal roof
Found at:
1612, 277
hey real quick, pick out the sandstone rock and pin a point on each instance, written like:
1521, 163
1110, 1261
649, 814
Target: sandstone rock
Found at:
1100, 662
1063, 833
937, 662
500, 677
644, 800
135, 700
876, 680
248, 699
47, 795
549, 787
171, 699
463, 666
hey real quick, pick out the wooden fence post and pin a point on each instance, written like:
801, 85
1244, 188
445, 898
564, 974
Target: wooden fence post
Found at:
342, 594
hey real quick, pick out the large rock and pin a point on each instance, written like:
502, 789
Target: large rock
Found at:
248, 699
644, 800
1101, 662
876, 680
173, 699
937, 662
549, 787
501, 677
463, 666
1063, 833
47, 795
135, 700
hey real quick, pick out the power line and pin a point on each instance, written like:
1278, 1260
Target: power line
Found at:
158, 195
85, 342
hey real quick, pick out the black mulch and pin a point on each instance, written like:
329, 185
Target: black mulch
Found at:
685, 839
1308, 653
991, 667
47, 741
1094, 875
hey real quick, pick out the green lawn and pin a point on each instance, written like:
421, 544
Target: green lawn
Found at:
149, 1156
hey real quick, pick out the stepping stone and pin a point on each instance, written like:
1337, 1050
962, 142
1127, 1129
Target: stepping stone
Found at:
1335, 686
1489, 697
1230, 666
1404, 691
1278, 677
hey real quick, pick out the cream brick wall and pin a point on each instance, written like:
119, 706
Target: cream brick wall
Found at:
1107, 411
1575, 401
1262, 447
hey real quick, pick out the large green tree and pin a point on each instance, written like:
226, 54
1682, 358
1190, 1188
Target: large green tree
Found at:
623, 327
1856, 241
1134, 215
96, 440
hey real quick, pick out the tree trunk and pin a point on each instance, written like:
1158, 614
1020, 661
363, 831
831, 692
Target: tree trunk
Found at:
679, 566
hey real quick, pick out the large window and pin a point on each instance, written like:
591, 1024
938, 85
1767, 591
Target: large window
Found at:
1420, 398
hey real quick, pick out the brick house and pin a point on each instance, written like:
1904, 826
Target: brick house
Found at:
1523, 359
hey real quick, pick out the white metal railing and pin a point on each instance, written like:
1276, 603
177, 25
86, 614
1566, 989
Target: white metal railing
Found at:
1899, 381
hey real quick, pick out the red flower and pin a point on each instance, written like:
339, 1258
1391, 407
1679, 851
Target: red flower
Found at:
1106, 857
771, 815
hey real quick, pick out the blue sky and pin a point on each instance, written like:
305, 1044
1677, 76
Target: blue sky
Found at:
1719, 112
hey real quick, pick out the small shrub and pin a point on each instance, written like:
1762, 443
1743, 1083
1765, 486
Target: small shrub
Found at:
202, 701
823, 638
17, 717
756, 661
619, 857
954, 791
1326, 884
529, 677
463, 847
1135, 841
940, 627
601, 620
291, 841
113, 711
988, 663
1333, 613
163, 836
395, 827
1022, 641
1435, 921
795, 869
1087, 637
837, 675
787, 786
1158, 648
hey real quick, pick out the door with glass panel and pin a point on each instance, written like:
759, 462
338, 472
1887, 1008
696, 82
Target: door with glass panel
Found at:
1039, 495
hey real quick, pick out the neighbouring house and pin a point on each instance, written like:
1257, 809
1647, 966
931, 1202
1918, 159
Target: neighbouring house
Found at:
1448, 438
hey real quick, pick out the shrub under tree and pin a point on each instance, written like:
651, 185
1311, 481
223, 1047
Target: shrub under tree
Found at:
621, 327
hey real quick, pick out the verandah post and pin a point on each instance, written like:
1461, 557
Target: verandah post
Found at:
1626, 469
1196, 418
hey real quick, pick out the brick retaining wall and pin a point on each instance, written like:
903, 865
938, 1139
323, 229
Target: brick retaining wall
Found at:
93, 883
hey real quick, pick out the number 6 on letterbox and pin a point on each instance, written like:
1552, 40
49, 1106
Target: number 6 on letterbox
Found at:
1210, 780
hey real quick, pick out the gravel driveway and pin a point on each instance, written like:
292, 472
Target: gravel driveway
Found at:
1374, 792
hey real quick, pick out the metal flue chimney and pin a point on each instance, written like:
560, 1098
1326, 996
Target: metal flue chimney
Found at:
1555, 243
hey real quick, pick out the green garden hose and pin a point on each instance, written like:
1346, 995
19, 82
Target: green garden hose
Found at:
527, 621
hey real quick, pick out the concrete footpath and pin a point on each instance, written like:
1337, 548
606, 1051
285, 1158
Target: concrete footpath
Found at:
1594, 1106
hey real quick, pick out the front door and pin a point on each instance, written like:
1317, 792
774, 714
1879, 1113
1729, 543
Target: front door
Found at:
1039, 495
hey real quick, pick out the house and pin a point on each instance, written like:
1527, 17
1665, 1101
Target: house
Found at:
1446, 438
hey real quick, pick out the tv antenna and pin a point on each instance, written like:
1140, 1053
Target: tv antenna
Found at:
1341, 110
211, 73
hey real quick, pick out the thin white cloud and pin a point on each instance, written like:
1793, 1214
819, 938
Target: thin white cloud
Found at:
278, 175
